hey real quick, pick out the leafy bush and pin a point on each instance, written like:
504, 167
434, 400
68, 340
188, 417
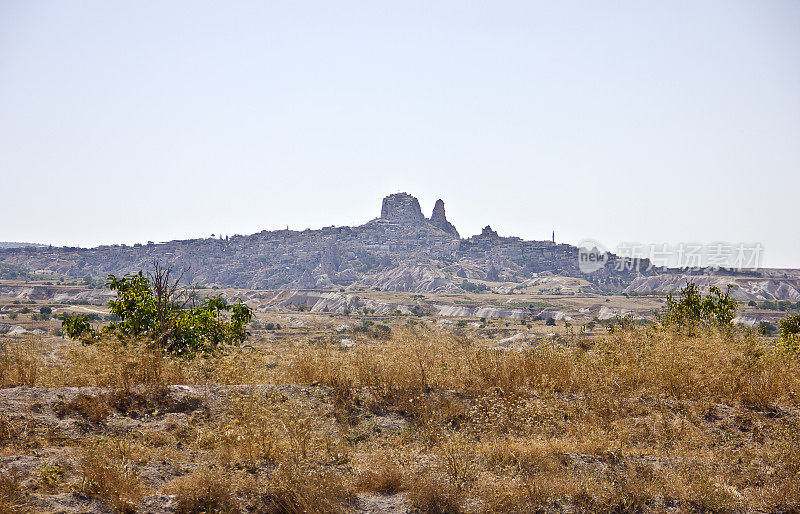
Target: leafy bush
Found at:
417, 310
717, 308
626, 322
76, 326
790, 333
156, 311
10, 272
779, 305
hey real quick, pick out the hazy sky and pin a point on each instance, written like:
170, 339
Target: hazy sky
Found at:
656, 122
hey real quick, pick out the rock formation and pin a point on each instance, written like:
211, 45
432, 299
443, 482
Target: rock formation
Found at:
401, 207
401, 250
439, 219
488, 232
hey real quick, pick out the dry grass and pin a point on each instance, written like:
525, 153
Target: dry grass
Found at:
91, 408
110, 363
204, 491
638, 420
11, 498
718, 366
296, 489
109, 475
18, 365
383, 477
432, 495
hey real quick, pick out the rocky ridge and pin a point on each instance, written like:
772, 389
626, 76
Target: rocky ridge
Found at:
401, 250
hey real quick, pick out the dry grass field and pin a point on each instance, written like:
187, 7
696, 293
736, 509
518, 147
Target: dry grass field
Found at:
426, 419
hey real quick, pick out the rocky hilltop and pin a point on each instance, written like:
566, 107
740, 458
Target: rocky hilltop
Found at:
401, 250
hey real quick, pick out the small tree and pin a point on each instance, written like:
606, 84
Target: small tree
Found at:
692, 309
156, 308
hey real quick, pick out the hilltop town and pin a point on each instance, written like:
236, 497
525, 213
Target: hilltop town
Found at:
402, 250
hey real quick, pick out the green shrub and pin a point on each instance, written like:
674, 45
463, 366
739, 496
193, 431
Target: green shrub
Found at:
155, 310
626, 322
790, 333
76, 326
691, 309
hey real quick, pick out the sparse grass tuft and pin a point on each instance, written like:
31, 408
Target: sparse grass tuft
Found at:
109, 475
432, 495
18, 364
204, 491
385, 478
296, 489
92, 408
12, 500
